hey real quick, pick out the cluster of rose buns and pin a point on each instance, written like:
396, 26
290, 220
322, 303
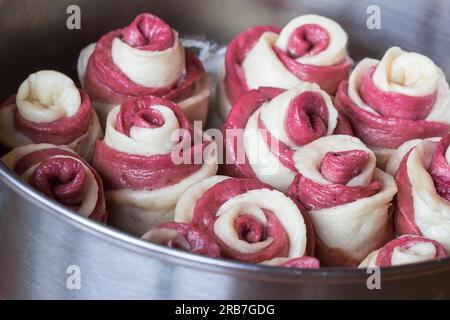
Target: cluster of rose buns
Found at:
320, 162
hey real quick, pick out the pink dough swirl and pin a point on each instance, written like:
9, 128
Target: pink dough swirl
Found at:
148, 158
143, 59
49, 108
421, 168
248, 220
60, 174
405, 250
309, 48
266, 126
347, 198
404, 96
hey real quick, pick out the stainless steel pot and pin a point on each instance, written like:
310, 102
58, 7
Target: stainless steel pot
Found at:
43, 247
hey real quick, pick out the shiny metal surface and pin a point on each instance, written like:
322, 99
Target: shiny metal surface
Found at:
39, 240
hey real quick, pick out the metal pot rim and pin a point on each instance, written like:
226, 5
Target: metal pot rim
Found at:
261, 272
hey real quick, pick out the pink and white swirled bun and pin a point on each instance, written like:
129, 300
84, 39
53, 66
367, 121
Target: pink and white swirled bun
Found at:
267, 125
144, 59
422, 171
404, 96
248, 220
347, 198
49, 108
309, 48
185, 237
149, 157
59, 173
406, 249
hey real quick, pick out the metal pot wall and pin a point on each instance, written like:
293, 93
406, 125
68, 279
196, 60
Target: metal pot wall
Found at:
42, 245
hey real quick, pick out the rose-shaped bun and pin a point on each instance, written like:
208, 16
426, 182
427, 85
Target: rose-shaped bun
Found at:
60, 174
309, 48
404, 96
148, 158
266, 126
49, 108
347, 198
185, 237
143, 59
249, 220
422, 172
406, 249
188, 237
